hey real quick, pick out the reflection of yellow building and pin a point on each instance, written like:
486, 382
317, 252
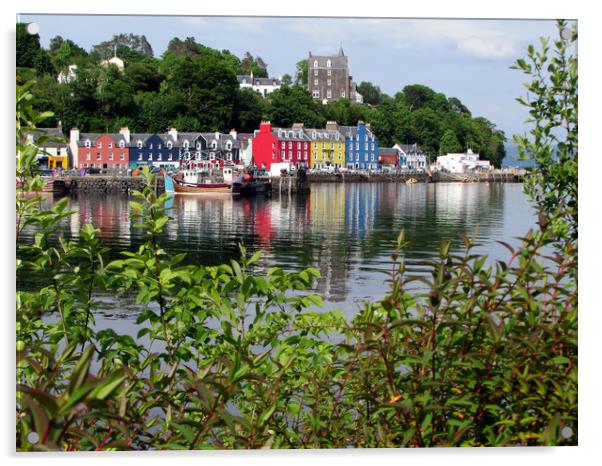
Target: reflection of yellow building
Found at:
327, 147
328, 205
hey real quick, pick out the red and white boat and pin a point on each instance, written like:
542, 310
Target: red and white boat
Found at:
192, 181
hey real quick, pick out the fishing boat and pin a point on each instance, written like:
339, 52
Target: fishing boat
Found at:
248, 185
202, 181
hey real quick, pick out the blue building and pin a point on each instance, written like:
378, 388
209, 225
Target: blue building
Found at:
361, 147
158, 150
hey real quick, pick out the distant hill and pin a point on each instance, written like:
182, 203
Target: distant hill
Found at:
512, 158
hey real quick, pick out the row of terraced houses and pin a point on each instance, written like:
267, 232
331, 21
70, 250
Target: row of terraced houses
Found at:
332, 147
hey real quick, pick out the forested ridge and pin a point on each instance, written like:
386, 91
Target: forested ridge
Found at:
193, 87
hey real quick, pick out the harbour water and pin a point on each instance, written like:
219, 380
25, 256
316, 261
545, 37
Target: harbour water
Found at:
347, 231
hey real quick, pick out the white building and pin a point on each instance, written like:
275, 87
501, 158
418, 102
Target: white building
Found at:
262, 85
68, 76
411, 157
462, 163
118, 62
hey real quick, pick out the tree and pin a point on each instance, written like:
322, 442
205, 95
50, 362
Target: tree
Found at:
301, 72
250, 110
294, 104
449, 143
42, 63
106, 49
28, 46
256, 66
416, 96
370, 93
287, 80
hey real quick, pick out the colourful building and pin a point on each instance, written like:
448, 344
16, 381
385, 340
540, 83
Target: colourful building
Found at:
361, 147
327, 147
104, 151
277, 145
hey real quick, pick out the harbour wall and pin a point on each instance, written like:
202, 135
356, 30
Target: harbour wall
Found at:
128, 184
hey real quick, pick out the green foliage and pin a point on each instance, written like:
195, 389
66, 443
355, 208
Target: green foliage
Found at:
449, 143
294, 104
131, 45
28, 46
225, 357
552, 143
370, 93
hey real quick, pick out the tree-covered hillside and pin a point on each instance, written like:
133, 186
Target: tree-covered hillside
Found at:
194, 88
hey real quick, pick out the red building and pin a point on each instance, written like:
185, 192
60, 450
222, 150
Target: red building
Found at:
276, 145
388, 156
106, 151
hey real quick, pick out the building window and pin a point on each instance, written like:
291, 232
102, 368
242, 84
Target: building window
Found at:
98, 157
122, 156
357, 146
290, 145
150, 145
290, 155
88, 157
283, 144
315, 63
186, 144
159, 146
88, 143
329, 72
150, 156
211, 155
169, 145
316, 94
99, 145
110, 145
315, 72
329, 82
283, 155
139, 144
315, 82
140, 156
366, 146
111, 156
328, 63
372, 146
122, 144
328, 94
298, 145
170, 156
159, 156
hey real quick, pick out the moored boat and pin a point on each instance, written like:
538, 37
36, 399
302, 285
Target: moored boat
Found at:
197, 182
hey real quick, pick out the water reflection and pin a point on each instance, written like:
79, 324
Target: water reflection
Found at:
347, 231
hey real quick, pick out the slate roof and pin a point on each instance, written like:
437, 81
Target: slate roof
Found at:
258, 81
290, 134
324, 134
387, 151
53, 133
336, 61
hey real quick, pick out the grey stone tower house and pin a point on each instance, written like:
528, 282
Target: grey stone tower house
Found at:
329, 79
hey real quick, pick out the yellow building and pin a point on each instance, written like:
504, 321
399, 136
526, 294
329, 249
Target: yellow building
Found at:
327, 147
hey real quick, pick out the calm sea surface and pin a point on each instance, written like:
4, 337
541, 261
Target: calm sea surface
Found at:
347, 231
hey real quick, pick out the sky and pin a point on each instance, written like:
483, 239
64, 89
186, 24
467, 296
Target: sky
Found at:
467, 59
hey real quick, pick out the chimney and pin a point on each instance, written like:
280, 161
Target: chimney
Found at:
332, 126
126, 133
265, 127
173, 133
74, 135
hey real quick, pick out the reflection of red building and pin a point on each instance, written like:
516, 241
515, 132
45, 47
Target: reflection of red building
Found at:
262, 224
276, 145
